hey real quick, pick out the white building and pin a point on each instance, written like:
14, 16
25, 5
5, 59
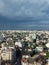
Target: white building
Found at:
18, 44
8, 54
32, 35
39, 49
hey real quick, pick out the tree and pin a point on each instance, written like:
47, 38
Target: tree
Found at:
47, 55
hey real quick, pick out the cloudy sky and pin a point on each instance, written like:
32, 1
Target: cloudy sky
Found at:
33, 10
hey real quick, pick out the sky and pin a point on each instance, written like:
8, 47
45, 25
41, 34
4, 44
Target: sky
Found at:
29, 11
